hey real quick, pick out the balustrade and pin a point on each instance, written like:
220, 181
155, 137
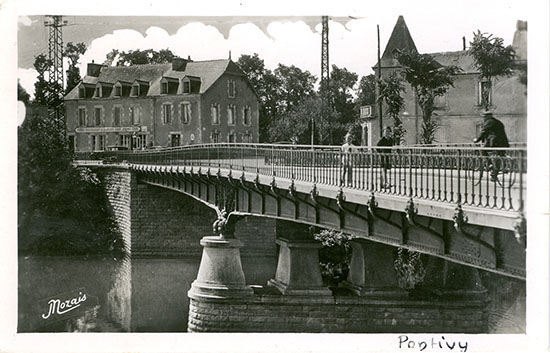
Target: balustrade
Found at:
480, 177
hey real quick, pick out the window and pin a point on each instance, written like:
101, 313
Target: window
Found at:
231, 89
98, 116
118, 90
174, 140
135, 90
215, 114
247, 137
81, 92
215, 137
81, 116
125, 140
134, 115
164, 87
185, 116
231, 112
140, 141
485, 94
231, 138
167, 114
246, 116
117, 116
98, 93
186, 87
98, 142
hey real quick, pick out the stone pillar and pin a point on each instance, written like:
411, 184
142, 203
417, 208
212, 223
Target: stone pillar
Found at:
452, 280
220, 273
372, 271
298, 271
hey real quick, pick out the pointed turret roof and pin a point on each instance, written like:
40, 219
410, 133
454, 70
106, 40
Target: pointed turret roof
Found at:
400, 39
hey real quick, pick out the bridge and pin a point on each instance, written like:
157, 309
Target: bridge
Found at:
460, 204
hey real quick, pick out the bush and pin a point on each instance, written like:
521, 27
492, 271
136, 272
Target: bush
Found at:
334, 256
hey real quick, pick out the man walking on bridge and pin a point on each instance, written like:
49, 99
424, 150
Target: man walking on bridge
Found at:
347, 159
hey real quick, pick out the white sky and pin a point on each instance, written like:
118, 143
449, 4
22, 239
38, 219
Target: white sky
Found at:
434, 25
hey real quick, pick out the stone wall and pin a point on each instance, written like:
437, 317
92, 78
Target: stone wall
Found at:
155, 221
344, 314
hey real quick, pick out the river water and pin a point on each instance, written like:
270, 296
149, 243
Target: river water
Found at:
150, 295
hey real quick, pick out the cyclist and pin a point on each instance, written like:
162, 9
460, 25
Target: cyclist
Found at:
492, 134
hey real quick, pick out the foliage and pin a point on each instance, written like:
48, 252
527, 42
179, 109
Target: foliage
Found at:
73, 53
390, 93
341, 85
266, 85
49, 186
22, 94
429, 80
335, 255
492, 59
41, 65
409, 267
139, 57
366, 91
295, 86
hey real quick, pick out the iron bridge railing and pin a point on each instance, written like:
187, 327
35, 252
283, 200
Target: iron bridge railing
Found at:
488, 178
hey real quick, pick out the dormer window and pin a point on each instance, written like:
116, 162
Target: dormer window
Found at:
190, 84
82, 92
135, 90
98, 92
118, 90
169, 85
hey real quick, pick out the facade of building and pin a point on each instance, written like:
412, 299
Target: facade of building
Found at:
175, 104
458, 111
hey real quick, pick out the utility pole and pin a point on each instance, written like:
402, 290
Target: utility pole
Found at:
325, 72
378, 85
55, 73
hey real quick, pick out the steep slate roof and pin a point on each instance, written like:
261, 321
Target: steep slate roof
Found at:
400, 39
458, 58
208, 71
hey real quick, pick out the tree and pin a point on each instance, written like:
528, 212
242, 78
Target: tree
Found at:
41, 65
141, 57
295, 86
390, 93
297, 124
267, 86
429, 79
73, 53
22, 94
111, 57
492, 59
341, 85
366, 91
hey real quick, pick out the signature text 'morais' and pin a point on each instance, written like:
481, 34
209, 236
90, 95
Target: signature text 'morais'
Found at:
56, 306
433, 344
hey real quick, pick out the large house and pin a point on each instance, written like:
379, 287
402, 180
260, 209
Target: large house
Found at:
458, 111
179, 103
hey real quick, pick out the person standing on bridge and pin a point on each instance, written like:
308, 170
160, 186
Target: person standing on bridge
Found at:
492, 134
385, 164
347, 160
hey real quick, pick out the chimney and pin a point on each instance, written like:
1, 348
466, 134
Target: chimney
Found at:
93, 69
463, 43
179, 64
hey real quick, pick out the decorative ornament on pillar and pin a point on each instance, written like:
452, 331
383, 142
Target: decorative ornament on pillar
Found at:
340, 198
224, 226
292, 190
411, 211
520, 230
460, 219
314, 194
372, 204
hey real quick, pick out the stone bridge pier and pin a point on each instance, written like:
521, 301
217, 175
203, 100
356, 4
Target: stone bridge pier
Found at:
296, 300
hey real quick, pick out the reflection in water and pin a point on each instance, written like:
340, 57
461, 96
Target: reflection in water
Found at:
134, 295
150, 295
